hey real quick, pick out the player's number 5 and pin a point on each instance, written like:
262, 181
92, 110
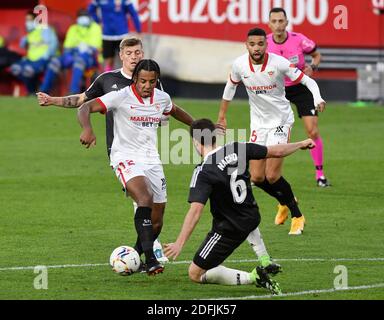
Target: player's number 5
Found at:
238, 188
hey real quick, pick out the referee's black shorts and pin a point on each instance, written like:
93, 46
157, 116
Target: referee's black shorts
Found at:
110, 48
216, 248
302, 98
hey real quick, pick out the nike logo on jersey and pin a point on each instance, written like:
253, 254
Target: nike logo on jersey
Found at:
114, 86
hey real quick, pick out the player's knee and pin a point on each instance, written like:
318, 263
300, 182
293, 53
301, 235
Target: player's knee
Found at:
272, 177
194, 274
313, 133
257, 178
145, 200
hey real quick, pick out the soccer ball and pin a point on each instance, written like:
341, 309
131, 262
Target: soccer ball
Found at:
124, 260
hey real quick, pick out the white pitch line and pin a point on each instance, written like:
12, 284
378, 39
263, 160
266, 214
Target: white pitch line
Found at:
300, 293
188, 261
56, 267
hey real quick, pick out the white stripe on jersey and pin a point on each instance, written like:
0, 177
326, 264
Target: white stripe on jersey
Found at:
111, 71
209, 245
194, 176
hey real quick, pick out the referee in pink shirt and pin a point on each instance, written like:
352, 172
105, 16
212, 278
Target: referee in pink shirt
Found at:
294, 46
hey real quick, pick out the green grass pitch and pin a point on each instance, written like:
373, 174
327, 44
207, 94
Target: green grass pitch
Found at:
61, 205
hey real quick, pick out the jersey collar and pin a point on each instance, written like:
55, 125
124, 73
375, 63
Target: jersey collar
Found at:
139, 97
250, 64
280, 43
125, 75
266, 57
211, 152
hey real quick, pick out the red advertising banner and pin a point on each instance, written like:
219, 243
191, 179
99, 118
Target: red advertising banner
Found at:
331, 23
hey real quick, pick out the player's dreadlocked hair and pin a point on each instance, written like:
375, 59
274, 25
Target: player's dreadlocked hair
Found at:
204, 131
147, 65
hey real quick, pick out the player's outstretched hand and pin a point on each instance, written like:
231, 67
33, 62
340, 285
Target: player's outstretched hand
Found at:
88, 138
44, 99
321, 106
307, 144
172, 250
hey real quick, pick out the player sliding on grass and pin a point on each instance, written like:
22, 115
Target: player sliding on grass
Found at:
134, 157
272, 117
223, 178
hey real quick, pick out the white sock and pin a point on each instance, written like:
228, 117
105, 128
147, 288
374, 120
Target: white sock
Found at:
135, 206
224, 275
257, 243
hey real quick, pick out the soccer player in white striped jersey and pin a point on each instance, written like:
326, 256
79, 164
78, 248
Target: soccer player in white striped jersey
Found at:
272, 118
134, 156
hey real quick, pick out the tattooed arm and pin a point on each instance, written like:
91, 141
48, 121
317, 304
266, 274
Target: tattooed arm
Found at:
73, 101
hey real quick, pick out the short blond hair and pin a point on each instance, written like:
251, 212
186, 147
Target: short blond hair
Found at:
130, 42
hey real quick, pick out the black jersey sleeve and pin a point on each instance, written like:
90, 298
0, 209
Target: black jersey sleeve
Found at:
200, 187
255, 151
95, 90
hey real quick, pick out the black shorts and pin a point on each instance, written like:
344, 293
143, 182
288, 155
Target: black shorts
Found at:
300, 96
215, 249
110, 47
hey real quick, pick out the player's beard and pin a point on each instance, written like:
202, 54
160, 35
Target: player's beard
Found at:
258, 60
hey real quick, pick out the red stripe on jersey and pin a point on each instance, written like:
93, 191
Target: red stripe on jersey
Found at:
292, 65
122, 164
152, 94
136, 94
299, 78
168, 113
265, 62
250, 64
122, 177
233, 81
103, 105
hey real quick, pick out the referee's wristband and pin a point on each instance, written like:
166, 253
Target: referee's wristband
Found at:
314, 67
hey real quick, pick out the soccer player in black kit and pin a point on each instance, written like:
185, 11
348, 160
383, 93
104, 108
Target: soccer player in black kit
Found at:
223, 177
131, 52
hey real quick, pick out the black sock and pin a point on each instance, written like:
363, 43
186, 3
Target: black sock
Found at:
267, 187
295, 211
285, 196
143, 224
138, 246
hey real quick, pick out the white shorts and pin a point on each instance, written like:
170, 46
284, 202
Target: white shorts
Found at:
129, 169
271, 136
